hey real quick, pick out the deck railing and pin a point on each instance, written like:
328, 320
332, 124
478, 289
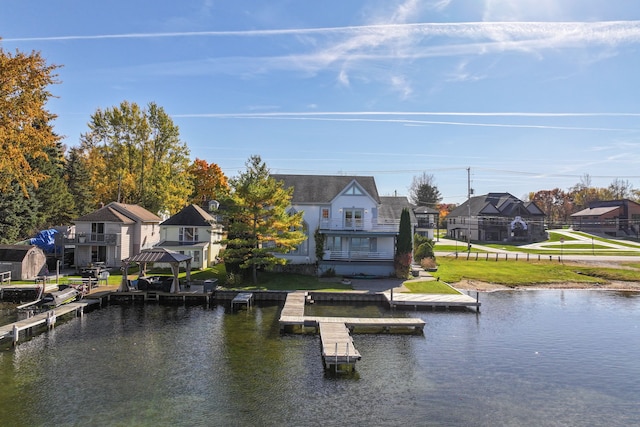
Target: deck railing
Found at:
92, 238
357, 256
358, 225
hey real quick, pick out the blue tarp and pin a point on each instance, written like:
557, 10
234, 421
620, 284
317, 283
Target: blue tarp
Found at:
45, 240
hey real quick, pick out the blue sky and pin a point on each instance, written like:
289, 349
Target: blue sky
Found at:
528, 94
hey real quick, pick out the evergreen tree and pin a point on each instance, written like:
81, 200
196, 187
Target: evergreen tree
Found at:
403, 245
18, 215
423, 191
77, 176
258, 222
56, 205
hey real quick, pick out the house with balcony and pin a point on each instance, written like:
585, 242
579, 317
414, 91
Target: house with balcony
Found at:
195, 232
428, 221
112, 233
616, 218
496, 217
355, 226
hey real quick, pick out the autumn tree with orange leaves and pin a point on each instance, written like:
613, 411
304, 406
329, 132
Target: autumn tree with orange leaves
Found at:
26, 132
209, 183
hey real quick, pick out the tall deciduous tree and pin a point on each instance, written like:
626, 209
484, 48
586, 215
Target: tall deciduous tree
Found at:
25, 131
259, 225
209, 183
424, 192
556, 204
136, 156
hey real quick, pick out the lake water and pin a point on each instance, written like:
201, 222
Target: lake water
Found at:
532, 358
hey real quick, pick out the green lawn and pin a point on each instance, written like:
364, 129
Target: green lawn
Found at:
429, 287
511, 273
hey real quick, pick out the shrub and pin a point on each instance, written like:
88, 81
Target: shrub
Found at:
428, 263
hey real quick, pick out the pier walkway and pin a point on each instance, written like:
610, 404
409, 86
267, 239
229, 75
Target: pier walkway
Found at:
338, 351
47, 318
430, 300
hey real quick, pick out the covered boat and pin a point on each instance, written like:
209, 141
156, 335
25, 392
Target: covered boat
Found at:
57, 298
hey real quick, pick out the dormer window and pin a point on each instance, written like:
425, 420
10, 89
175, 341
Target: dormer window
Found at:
354, 190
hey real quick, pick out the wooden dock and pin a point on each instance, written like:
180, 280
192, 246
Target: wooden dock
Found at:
338, 352
294, 305
243, 299
47, 318
396, 299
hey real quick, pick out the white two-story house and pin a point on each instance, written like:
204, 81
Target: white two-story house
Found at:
112, 233
194, 232
358, 228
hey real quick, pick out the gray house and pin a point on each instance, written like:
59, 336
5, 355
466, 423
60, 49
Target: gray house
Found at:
496, 217
25, 262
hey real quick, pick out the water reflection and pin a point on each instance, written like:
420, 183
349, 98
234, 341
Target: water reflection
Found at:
530, 358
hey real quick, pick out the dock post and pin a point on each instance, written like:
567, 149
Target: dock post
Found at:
51, 319
16, 334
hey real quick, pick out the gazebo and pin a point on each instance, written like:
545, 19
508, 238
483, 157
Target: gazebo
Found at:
156, 255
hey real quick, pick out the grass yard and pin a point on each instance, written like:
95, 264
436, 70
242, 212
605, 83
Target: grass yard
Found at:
429, 287
512, 273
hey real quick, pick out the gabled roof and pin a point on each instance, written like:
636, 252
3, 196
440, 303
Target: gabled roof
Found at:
120, 212
158, 255
322, 189
595, 211
192, 215
391, 208
15, 253
425, 210
496, 204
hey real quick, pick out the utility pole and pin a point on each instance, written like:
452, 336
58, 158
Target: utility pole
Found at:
469, 208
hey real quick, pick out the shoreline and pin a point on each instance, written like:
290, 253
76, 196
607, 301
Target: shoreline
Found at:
475, 285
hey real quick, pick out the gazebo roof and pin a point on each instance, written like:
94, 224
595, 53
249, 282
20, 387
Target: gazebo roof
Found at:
158, 255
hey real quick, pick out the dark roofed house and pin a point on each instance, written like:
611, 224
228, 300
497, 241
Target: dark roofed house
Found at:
25, 262
194, 232
358, 227
112, 233
496, 217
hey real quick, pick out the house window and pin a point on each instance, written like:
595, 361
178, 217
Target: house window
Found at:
98, 254
334, 243
353, 218
303, 248
354, 190
188, 234
97, 231
364, 244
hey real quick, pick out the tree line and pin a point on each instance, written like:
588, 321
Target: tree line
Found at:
130, 153
134, 154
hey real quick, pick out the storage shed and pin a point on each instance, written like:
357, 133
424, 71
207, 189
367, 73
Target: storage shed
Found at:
25, 262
